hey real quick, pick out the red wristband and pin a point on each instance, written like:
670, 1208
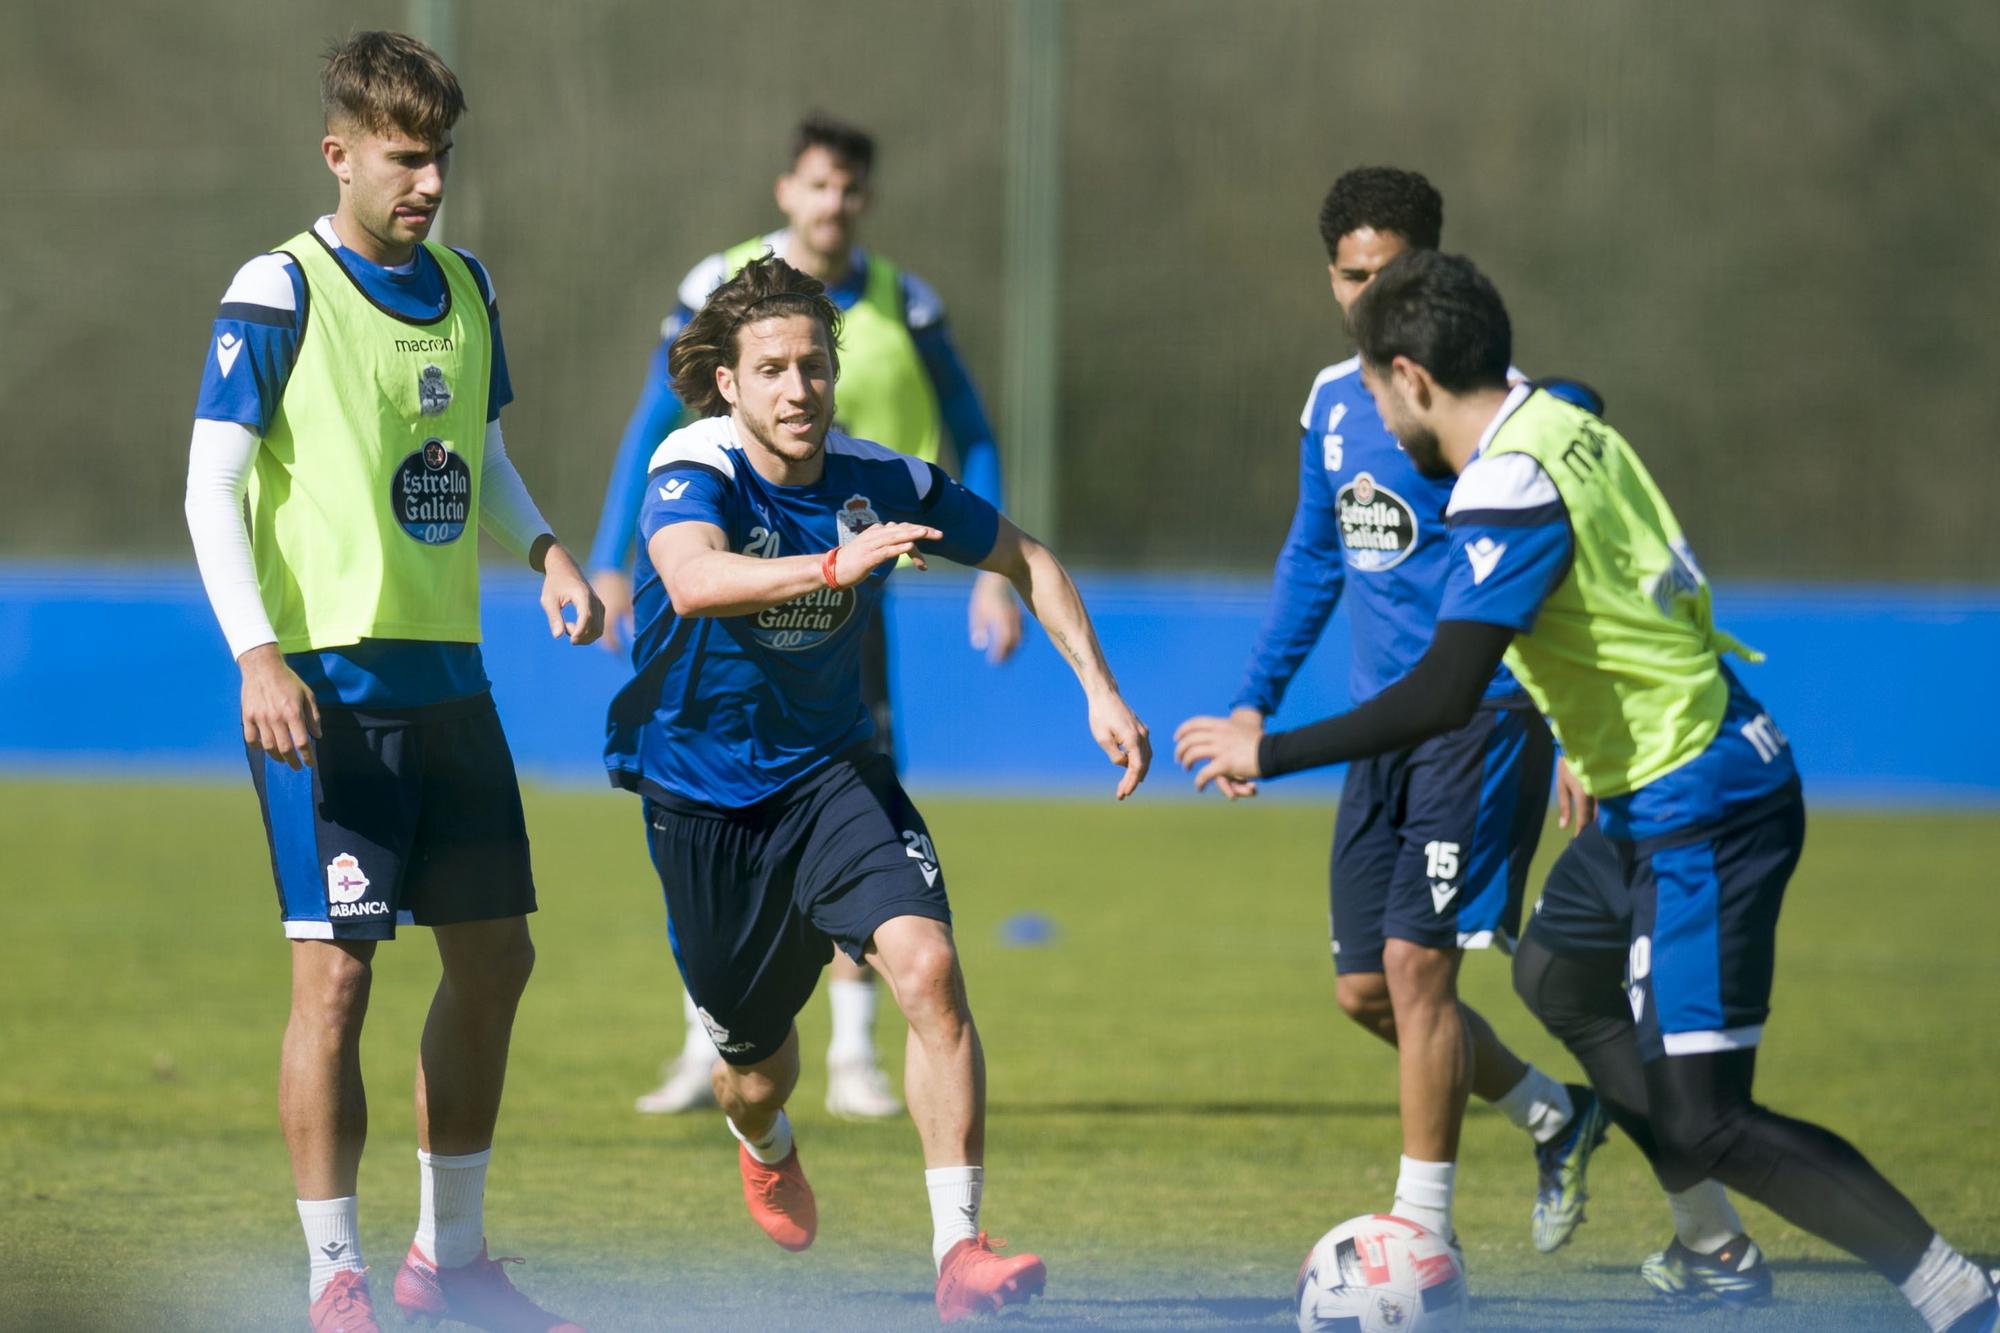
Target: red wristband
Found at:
826, 568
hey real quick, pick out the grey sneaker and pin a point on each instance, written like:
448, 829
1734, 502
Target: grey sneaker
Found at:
1736, 1274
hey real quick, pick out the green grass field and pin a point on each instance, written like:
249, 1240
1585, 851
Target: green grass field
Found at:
1178, 1110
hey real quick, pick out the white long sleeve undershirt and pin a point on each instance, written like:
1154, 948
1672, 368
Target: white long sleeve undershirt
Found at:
220, 456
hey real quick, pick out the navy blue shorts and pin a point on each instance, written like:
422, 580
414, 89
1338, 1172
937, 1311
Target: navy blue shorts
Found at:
758, 897
1586, 904
1705, 927
1432, 844
408, 818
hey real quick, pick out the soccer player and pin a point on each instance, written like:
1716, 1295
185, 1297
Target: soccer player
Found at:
1566, 559
354, 382
778, 833
1433, 842
905, 385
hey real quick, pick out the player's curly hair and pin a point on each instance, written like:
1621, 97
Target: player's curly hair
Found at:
765, 287
1385, 199
1440, 312
381, 81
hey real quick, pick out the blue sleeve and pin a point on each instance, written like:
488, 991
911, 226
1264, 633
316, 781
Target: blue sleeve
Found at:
499, 386
653, 417
970, 525
964, 415
1304, 588
251, 351
682, 493
500, 389
1504, 564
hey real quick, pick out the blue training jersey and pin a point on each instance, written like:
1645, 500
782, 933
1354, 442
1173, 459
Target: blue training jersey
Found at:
658, 409
726, 710
1510, 548
1365, 516
251, 352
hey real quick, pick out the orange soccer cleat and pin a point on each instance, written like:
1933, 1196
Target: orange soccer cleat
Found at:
345, 1306
973, 1280
780, 1200
477, 1294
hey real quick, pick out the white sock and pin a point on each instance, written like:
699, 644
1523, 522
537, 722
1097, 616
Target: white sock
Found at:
1423, 1194
1945, 1286
333, 1239
1537, 1104
774, 1147
697, 1046
954, 1206
451, 1207
853, 1022
1704, 1218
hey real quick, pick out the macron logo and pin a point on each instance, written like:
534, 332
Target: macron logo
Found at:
227, 348
1441, 896
1484, 554
673, 490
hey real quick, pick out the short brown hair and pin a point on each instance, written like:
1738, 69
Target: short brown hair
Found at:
384, 81
850, 145
766, 287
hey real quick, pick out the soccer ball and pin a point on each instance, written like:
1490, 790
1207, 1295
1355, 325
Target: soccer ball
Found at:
1381, 1274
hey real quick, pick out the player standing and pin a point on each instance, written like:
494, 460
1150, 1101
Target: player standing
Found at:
1566, 559
903, 383
1433, 842
354, 384
777, 831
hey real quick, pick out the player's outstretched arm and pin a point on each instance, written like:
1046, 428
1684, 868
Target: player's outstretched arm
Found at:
703, 577
1046, 587
1438, 695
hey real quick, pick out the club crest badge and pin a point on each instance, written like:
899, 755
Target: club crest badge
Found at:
433, 394
856, 517
344, 881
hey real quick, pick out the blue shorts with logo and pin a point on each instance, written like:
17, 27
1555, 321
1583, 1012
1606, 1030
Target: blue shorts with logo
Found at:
1432, 844
406, 817
758, 897
1705, 905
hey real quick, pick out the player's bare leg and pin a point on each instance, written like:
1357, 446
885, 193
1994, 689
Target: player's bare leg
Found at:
944, 1075
461, 1072
1434, 1064
324, 1110
1435, 1059
774, 1184
462, 1062
944, 1080
1496, 1070
320, 1099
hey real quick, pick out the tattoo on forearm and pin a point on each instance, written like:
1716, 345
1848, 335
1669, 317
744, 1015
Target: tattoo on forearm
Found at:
1062, 642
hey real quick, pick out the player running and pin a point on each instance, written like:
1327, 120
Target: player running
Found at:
777, 832
1566, 559
1433, 842
354, 382
904, 384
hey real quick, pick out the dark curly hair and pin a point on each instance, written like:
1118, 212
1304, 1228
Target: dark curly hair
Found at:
764, 288
1386, 199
